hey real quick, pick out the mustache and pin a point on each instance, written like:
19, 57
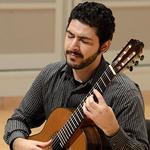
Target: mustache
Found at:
75, 53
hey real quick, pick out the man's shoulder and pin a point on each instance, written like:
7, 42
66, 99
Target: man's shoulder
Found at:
123, 87
124, 81
52, 69
54, 66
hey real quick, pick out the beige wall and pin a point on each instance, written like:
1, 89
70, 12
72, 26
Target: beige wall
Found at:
32, 36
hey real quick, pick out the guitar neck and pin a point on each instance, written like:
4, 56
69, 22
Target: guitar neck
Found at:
77, 117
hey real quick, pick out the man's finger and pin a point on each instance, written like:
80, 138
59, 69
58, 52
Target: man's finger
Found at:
44, 144
99, 97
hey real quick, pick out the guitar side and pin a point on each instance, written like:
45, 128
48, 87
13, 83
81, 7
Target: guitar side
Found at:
85, 138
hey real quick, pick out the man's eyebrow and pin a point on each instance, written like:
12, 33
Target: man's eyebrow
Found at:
69, 32
85, 37
80, 36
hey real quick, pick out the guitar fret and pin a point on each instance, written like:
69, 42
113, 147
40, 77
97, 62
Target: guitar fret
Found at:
99, 87
77, 116
61, 138
65, 134
107, 76
56, 142
67, 127
71, 125
111, 74
75, 119
103, 82
112, 69
106, 79
79, 112
71, 119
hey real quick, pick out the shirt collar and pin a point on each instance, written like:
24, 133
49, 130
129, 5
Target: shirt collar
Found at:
67, 70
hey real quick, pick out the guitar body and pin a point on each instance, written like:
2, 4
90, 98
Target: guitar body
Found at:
85, 138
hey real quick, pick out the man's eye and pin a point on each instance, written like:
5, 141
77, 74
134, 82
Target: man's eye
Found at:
70, 36
84, 41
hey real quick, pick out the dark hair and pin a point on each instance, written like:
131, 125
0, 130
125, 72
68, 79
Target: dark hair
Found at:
95, 15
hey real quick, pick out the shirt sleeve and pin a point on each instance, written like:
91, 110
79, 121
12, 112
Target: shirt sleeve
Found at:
128, 108
29, 114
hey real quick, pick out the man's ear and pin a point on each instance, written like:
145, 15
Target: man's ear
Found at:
105, 46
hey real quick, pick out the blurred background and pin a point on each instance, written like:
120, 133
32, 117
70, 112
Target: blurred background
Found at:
32, 35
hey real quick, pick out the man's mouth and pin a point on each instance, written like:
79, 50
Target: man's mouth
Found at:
76, 54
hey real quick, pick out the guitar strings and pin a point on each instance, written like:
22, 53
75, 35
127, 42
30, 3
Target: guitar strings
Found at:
57, 142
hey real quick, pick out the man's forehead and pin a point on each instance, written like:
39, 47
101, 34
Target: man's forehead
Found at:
81, 29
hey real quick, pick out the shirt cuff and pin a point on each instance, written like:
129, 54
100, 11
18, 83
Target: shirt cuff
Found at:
118, 138
14, 135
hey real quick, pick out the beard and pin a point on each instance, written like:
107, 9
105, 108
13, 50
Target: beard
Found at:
86, 62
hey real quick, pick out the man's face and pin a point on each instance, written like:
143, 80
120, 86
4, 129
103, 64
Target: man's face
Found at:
81, 45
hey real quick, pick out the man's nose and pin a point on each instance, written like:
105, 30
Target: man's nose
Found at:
74, 44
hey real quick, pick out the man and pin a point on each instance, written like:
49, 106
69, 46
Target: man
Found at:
118, 115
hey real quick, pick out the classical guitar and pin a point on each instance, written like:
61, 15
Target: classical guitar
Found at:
71, 129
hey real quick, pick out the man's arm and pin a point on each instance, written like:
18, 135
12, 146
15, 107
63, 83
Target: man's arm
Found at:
29, 114
125, 131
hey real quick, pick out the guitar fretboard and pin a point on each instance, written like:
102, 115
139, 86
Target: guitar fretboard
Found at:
70, 127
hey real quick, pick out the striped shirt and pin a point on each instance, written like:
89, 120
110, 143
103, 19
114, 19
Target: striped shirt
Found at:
55, 87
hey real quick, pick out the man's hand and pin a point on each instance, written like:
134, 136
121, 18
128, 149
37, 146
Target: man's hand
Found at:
102, 115
24, 144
